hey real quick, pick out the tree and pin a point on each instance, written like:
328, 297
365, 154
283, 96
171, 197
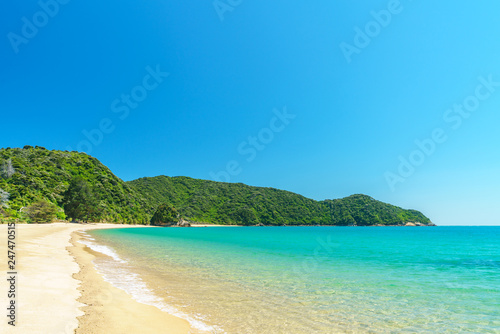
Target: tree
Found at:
346, 220
165, 215
79, 202
4, 198
245, 216
41, 211
8, 170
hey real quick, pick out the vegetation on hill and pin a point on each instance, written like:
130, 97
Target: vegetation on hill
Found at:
362, 210
80, 187
236, 203
41, 211
80, 202
34, 173
165, 215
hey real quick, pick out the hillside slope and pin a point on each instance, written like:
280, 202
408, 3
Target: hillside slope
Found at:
34, 173
236, 203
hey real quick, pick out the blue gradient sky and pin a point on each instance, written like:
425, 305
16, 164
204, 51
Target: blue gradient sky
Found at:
353, 120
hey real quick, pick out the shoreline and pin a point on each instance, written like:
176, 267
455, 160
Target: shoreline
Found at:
111, 310
60, 291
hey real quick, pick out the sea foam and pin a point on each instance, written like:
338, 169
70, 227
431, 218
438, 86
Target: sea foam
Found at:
120, 275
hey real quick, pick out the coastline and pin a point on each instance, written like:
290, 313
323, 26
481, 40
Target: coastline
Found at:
60, 291
111, 310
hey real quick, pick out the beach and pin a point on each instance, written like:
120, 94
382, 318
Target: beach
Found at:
59, 291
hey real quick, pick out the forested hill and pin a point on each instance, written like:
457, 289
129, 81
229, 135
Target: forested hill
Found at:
230, 203
32, 174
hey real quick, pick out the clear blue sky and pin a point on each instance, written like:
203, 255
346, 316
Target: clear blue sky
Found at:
359, 102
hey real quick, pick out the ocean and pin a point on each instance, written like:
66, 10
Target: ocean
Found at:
310, 279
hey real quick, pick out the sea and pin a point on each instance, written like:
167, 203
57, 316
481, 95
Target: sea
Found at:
310, 279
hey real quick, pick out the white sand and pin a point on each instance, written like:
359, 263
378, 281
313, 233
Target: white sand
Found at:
47, 292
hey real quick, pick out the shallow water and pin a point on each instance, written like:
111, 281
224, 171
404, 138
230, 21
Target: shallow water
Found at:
312, 279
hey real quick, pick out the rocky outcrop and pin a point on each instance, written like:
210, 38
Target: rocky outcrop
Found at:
183, 223
417, 224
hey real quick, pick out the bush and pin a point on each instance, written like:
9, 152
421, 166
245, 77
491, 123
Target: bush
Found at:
80, 202
165, 215
41, 211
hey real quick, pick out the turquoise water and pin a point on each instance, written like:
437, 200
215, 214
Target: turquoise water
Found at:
312, 279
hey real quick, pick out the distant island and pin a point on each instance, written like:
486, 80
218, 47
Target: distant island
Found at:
37, 185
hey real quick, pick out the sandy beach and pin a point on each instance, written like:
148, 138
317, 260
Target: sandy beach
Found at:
60, 292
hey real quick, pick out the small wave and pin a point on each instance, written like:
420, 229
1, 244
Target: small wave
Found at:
102, 249
125, 279
86, 235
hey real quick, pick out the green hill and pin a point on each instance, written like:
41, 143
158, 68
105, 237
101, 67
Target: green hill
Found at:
236, 203
33, 173
37, 173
